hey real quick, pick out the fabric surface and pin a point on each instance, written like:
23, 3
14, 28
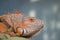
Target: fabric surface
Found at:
7, 37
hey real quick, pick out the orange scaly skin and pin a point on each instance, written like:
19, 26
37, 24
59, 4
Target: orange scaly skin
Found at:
2, 27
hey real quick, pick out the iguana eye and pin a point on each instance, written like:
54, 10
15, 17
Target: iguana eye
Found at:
32, 20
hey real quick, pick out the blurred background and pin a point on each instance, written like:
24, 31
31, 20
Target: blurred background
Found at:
47, 10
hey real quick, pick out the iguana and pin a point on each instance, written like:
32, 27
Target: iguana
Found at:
18, 24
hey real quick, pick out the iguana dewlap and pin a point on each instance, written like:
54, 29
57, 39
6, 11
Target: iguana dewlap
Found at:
3, 27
